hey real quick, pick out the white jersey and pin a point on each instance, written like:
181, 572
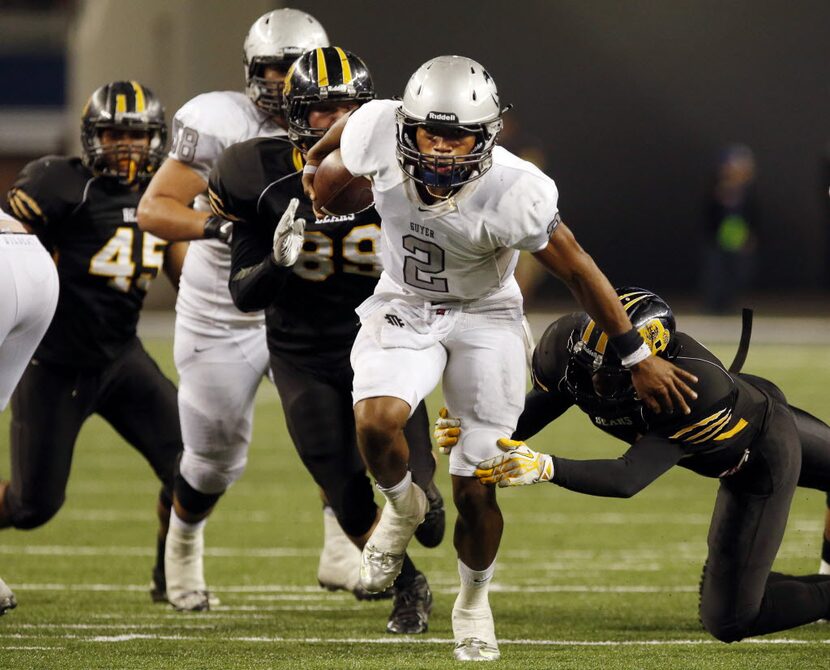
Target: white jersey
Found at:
202, 129
462, 248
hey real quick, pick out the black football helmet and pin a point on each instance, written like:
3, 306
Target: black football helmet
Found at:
327, 74
123, 105
590, 352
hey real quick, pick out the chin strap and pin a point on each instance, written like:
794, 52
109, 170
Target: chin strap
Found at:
743, 345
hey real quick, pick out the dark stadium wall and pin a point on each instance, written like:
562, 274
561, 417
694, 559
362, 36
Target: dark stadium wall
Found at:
631, 102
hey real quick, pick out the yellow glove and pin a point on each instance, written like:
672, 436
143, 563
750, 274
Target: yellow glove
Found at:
519, 465
447, 431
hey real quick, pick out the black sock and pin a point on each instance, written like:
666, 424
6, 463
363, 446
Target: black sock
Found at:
159, 567
825, 550
408, 573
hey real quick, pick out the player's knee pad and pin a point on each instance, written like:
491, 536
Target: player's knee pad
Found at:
356, 509
27, 516
214, 471
192, 500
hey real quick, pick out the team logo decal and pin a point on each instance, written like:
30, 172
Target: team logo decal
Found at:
655, 335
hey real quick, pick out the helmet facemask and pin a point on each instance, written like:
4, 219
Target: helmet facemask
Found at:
444, 171
266, 93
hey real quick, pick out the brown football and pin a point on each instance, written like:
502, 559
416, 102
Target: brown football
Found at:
337, 190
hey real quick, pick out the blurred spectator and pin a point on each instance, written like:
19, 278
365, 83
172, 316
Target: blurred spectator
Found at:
731, 223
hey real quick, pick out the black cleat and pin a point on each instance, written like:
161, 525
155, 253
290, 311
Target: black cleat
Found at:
158, 586
410, 613
431, 531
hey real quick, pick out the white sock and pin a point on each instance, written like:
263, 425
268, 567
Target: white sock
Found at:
184, 527
824, 568
399, 490
475, 585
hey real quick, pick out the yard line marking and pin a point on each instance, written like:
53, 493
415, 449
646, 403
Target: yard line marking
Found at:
34, 648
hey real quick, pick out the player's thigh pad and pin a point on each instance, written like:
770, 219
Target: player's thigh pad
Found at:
484, 385
29, 294
218, 379
408, 374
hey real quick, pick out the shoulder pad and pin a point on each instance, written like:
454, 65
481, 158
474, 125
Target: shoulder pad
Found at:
48, 189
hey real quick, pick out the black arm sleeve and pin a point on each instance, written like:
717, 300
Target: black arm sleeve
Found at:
645, 461
254, 280
540, 409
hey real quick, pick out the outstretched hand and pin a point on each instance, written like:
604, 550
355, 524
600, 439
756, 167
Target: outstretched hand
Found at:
519, 465
288, 237
662, 386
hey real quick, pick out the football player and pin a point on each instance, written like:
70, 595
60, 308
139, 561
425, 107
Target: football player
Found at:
310, 278
741, 430
456, 210
220, 352
90, 360
29, 290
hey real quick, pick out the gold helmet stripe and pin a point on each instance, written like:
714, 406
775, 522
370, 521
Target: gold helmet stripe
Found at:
588, 330
120, 103
634, 301
602, 343
344, 63
140, 102
322, 70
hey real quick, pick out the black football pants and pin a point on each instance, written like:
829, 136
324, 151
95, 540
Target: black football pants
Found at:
320, 419
739, 596
50, 405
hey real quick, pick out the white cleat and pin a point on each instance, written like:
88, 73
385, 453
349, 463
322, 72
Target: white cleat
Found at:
383, 554
339, 567
186, 588
7, 599
474, 633
473, 649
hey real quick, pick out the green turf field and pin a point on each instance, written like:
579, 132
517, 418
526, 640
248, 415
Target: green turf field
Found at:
581, 582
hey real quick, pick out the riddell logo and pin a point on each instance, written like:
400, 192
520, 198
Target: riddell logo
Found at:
442, 116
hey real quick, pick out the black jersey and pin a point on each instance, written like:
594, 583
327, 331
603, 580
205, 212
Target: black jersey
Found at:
727, 415
105, 262
310, 306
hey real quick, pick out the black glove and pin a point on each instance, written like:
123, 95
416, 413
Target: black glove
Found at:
219, 228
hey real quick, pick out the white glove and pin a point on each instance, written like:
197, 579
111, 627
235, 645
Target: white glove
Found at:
288, 237
447, 431
519, 465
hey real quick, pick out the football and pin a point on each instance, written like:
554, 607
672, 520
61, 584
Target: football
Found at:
338, 191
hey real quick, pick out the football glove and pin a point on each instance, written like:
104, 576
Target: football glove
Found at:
288, 237
519, 465
216, 227
447, 431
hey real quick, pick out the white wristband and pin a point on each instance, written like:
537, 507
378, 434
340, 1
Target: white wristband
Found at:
309, 169
642, 353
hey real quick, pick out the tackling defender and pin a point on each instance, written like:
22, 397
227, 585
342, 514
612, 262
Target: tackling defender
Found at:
310, 278
456, 210
90, 360
741, 430
29, 290
220, 352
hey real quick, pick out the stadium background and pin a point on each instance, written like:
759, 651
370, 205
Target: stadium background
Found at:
630, 102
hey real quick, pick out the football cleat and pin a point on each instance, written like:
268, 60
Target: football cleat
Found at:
186, 589
473, 649
7, 599
410, 612
431, 531
383, 554
474, 633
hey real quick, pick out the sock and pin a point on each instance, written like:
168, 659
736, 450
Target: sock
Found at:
159, 567
399, 490
183, 526
408, 573
475, 585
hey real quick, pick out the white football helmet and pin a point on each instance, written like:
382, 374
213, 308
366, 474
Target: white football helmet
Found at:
457, 94
277, 38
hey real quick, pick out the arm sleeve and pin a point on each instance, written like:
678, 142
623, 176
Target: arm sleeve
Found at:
540, 409
645, 461
368, 139
234, 189
43, 192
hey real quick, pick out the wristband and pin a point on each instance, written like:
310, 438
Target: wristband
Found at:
637, 357
626, 344
308, 168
